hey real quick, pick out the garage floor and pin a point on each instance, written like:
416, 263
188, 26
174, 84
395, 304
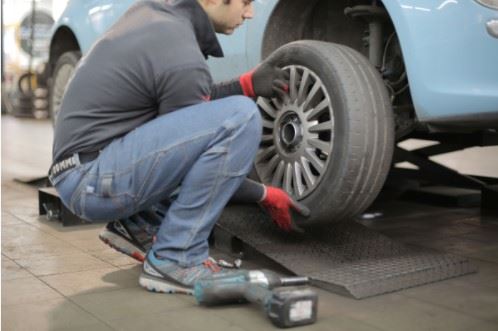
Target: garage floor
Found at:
56, 278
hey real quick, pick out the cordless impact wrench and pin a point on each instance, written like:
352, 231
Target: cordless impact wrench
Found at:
285, 304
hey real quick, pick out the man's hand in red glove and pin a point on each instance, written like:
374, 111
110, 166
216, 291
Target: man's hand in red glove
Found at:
266, 80
278, 204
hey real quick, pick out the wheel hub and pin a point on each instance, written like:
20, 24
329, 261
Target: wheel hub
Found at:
291, 132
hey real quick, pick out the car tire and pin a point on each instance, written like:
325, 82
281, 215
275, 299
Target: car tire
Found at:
329, 141
62, 74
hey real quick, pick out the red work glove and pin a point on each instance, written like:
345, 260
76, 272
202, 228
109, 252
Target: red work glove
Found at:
267, 80
278, 204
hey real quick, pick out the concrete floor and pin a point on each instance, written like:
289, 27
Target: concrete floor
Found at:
56, 278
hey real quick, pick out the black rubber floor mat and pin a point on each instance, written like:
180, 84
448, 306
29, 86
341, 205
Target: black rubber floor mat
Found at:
347, 258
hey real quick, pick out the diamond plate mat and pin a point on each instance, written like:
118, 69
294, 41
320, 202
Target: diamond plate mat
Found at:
348, 258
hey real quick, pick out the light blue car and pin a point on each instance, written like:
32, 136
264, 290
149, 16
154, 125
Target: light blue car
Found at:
364, 75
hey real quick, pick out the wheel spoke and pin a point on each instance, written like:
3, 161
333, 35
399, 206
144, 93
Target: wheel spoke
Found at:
309, 178
266, 107
264, 154
325, 126
270, 167
303, 86
277, 103
288, 178
293, 83
316, 87
267, 124
266, 138
321, 145
315, 161
279, 174
318, 109
298, 180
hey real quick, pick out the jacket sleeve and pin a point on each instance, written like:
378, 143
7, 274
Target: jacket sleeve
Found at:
248, 192
242, 85
226, 89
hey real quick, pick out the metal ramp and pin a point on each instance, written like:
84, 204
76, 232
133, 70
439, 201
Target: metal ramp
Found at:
348, 259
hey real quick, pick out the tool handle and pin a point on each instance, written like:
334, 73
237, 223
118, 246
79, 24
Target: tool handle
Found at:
220, 290
258, 294
294, 281
271, 279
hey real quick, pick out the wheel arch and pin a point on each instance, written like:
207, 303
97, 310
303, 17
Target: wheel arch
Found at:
63, 40
292, 20
289, 19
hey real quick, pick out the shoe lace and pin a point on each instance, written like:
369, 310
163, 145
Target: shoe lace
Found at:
212, 265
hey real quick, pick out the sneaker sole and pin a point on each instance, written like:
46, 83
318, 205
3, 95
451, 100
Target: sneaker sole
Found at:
154, 284
122, 245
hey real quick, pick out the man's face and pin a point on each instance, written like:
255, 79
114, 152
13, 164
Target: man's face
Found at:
226, 17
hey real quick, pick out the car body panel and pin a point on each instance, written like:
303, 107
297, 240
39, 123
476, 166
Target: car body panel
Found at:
450, 58
89, 19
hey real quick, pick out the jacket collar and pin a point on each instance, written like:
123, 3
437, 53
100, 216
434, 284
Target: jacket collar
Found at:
203, 28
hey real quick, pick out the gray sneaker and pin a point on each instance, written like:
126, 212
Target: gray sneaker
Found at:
166, 276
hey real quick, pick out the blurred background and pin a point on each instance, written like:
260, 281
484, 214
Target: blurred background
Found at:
26, 26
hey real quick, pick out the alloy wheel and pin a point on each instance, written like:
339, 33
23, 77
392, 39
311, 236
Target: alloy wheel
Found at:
298, 132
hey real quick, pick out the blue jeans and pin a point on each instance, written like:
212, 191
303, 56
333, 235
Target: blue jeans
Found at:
206, 150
